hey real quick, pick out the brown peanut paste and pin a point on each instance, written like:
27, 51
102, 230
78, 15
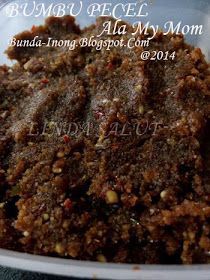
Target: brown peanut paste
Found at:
132, 183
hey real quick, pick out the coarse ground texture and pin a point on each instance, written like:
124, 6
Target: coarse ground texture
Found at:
104, 156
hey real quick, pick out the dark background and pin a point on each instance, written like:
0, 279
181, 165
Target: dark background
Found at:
12, 274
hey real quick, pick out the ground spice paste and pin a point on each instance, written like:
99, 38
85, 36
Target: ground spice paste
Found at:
111, 194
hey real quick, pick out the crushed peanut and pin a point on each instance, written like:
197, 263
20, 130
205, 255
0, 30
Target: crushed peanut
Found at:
46, 217
59, 248
101, 258
111, 197
163, 194
60, 154
141, 109
57, 170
